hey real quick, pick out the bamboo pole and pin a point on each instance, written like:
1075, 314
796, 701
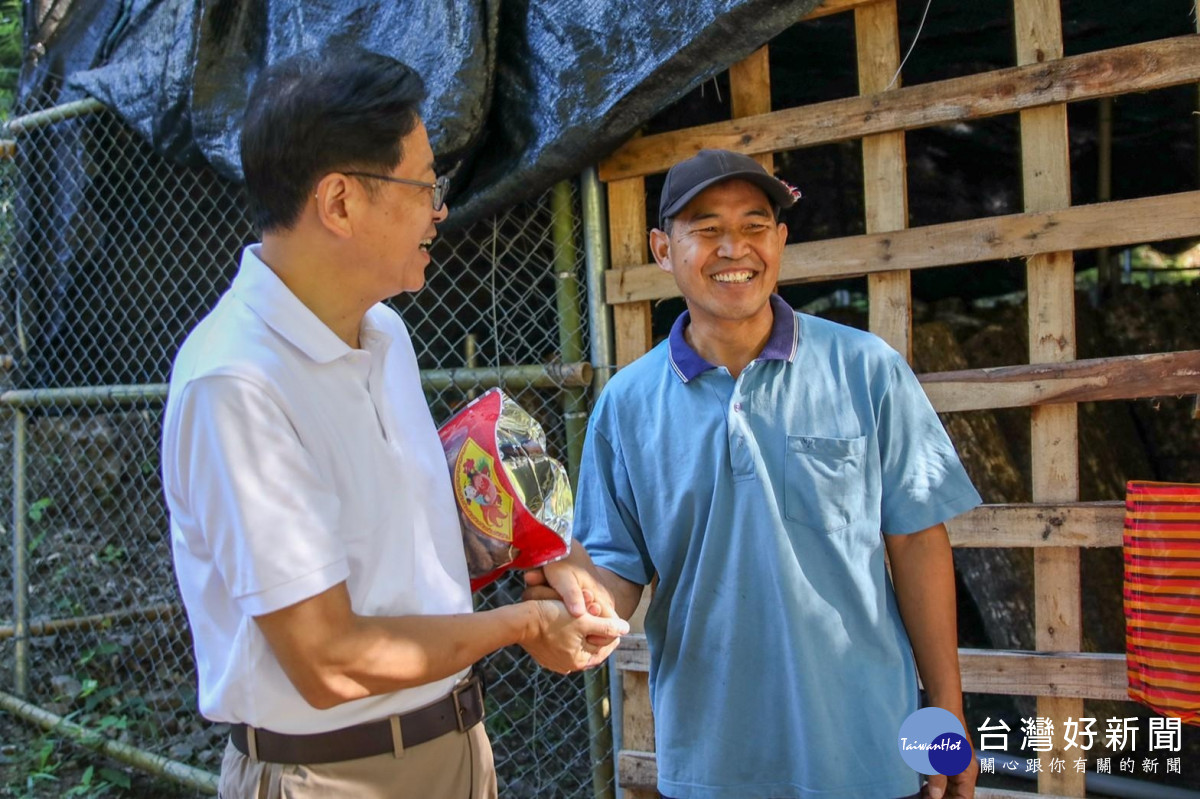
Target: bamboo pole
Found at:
41, 119
570, 342
574, 404
595, 253
471, 356
189, 776
549, 375
20, 557
599, 691
93, 622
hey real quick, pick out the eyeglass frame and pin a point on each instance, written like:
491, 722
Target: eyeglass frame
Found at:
439, 187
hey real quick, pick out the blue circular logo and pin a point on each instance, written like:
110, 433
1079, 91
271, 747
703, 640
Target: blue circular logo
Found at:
932, 741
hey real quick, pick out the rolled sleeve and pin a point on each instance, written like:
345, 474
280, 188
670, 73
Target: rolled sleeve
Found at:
262, 510
923, 480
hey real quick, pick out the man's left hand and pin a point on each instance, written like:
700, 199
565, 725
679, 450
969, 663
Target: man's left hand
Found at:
959, 786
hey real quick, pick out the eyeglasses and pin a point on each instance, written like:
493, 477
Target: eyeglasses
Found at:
439, 186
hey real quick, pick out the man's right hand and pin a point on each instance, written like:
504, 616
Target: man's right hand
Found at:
559, 641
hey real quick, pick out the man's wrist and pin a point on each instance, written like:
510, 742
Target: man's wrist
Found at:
528, 620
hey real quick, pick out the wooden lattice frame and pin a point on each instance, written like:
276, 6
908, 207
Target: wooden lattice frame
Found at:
1055, 525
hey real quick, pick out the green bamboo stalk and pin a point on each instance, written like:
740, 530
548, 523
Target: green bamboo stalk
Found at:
41, 119
188, 776
575, 411
567, 297
549, 375
595, 255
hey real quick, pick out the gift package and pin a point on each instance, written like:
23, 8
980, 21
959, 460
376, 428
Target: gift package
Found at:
514, 500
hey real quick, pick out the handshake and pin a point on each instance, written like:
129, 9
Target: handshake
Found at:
575, 625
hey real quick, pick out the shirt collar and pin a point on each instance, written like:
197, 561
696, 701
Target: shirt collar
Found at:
261, 289
781, 344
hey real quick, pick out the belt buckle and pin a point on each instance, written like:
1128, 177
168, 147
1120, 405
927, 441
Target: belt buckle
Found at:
459, 710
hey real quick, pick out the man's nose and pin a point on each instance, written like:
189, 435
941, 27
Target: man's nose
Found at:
733, 245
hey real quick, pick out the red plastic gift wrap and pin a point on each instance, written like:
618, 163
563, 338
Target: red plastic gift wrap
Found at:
1162, 596
514, 500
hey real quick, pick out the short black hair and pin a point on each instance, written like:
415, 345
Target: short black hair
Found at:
311, 114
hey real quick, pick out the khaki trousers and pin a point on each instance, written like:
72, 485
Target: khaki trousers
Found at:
455, 766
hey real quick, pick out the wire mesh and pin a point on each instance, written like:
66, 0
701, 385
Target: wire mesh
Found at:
111, 254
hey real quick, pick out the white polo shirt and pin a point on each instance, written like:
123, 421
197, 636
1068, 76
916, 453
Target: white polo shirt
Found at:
292, 462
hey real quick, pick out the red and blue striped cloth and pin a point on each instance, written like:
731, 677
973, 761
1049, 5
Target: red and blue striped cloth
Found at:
1162, 596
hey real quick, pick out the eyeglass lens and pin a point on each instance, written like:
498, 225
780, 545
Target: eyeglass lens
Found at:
440, 187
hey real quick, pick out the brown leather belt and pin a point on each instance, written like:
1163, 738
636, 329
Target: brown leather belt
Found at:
460, 710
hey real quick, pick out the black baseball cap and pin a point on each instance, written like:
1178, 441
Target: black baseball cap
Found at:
688, 178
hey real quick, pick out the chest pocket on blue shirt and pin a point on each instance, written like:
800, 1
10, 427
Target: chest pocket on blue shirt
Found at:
823, 482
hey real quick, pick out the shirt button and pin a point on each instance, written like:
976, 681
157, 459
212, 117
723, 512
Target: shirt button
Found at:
737, 406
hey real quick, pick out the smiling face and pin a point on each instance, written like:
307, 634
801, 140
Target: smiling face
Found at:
401, 218
724, 251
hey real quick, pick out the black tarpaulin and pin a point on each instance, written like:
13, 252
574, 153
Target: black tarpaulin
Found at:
520, 93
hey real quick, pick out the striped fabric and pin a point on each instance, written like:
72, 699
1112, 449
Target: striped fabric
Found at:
1162, 596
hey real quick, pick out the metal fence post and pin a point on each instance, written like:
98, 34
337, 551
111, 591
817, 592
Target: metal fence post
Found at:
20, 555
570, 342
595, 240
595, 254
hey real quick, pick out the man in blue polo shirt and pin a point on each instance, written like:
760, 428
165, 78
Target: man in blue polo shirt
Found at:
751, 461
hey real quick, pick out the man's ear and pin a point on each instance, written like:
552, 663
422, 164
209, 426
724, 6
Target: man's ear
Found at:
336, 199
660, 248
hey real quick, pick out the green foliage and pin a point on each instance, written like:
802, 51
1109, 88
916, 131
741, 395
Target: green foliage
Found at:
112, 554
10, 53
38, 509
95, 782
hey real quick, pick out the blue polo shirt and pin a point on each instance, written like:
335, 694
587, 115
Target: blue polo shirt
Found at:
779, 666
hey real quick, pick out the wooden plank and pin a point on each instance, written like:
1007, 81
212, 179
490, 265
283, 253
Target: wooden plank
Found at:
984, 671
1089, 380
1110, 224
828, 7
628, 247
1054, 443
750, 90
637, 771
637, 729
631, 331
885, 188
633, 654
640, 769
1106, 73
1056, 674
627, 239
1079, 524
638, 718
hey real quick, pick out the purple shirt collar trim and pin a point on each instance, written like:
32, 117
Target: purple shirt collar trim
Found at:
781, 345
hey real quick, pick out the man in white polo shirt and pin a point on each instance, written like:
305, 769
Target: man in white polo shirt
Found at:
314, 530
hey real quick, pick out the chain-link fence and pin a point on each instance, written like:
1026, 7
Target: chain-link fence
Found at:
111, 254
